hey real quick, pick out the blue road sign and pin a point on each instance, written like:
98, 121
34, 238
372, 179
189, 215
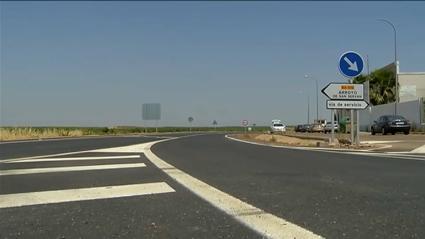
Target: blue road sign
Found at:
351, 64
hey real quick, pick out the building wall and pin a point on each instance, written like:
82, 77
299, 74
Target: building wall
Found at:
412, 86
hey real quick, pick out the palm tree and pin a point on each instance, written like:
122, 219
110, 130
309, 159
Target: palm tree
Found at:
382, 86
190, 119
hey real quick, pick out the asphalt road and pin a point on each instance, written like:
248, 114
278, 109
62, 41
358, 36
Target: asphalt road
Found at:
332, 195
178, 214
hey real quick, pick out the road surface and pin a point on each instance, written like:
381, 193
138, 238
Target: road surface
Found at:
333, 195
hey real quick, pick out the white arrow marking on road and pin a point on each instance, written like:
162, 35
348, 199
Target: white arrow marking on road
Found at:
353, 65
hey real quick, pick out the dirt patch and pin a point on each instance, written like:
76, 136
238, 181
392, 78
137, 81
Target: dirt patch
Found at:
292, 140
280, 140
286, 140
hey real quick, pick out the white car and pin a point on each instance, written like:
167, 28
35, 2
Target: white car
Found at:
328, 127
277, 126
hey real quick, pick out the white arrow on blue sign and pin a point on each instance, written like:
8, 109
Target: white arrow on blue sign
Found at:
351, 64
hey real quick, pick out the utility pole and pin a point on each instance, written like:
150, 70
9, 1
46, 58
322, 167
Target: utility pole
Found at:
317, 94
308, 109
395, 62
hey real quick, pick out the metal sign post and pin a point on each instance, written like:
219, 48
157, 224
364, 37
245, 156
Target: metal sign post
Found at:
357, 128
245, 124
352, 126
346, 96
351, 65
152, 111
332, 126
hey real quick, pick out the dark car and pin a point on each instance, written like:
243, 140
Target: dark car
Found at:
302, 128
390, 124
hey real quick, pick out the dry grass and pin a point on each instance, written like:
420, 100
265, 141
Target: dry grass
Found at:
280, 139
31, 133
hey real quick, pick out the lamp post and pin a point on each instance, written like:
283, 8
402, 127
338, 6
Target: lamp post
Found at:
317, 95
308, 109
395, 61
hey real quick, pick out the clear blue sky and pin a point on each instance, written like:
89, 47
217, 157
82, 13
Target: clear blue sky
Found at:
96, 63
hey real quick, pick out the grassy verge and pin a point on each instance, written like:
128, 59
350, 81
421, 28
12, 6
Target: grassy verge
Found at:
21, 133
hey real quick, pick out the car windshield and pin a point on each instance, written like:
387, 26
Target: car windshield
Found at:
395, 117
278, 125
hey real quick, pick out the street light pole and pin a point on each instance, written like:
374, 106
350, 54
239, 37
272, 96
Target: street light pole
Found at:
317, 95
395, 61
308, 109
317, 100
308, 106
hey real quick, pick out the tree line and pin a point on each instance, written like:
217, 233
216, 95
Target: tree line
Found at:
381, 86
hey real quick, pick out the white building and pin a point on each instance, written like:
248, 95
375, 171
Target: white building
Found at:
411, 100
412, 86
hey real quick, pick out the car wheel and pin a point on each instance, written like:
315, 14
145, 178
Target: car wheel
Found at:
384, 132
406, 132
372, 131
393, 133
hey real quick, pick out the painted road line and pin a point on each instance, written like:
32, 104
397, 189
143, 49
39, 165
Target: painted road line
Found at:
43, 156
136, 148
260, 221
419, 150
74, 159
339, 151
70, 169
380, 141
82, 194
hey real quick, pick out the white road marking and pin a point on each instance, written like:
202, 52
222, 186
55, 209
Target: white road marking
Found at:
260, 221
43, 156
137, 148
337, 151
74, 159
71, 195
69, 169
380, 141
419, 150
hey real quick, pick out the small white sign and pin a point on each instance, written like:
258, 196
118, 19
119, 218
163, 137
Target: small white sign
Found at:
342, 91
347, 104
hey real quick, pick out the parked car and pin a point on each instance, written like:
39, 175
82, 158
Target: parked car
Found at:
316, 128
277, 126
328, 127
307, 127
390, 124
300, 128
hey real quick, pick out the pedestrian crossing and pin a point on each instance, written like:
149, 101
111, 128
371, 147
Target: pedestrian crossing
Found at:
97, 164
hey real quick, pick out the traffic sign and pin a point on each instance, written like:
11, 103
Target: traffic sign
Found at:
347, 104
245, 123
151, 111
351, 64
343, 91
